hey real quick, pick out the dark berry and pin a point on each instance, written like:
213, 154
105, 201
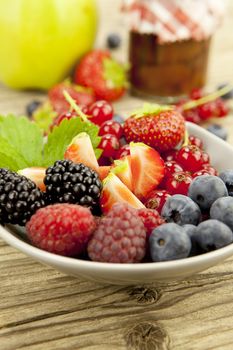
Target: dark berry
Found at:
205, 189
67, 182
218, 130
113, 41
181, 210
32, 107
19, 198
227, 178
123, 151
169, 155
212, 234
222, 210
169, 242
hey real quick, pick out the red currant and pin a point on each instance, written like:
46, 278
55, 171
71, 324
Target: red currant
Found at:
205, 158
61, 117
170, 168
179, 183
123, 151
111, 127
206, 110
196, 94
110, 145
190, 158
195, 141
210, 169
100, 111
192, 116
169, 155
156, 200
221, 109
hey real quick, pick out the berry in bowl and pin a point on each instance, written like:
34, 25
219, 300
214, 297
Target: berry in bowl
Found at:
149, 216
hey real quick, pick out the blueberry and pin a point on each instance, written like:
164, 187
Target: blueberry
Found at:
31, 107
212, 235
181, 210
118, 118
227, 178
218, 130
222, 210
113, 41
191, 230
205, 189
228, 95
169, 242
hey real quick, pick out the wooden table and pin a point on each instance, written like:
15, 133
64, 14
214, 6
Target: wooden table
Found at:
43, 309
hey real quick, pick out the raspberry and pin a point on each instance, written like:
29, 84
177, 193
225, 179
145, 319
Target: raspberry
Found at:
151, 219
62, 229
120, 237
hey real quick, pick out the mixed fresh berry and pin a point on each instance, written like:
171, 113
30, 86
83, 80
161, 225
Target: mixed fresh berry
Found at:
139, 190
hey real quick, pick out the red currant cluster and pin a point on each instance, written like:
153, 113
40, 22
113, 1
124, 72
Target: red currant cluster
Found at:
181, 167
200, 112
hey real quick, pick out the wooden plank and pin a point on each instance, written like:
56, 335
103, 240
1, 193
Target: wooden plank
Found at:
43, 309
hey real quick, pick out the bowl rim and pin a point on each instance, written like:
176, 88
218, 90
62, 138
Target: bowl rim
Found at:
56, 259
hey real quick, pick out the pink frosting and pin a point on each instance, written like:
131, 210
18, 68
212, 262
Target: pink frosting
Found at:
173, 20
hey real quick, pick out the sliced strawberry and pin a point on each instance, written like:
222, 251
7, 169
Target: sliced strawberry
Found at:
80, 150
83, 96
115, 191
36, 174
99, 71
122, 169
147, 169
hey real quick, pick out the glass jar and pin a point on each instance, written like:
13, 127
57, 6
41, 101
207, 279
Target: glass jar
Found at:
169, 44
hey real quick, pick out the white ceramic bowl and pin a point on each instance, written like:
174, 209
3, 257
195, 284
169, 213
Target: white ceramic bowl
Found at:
221, 155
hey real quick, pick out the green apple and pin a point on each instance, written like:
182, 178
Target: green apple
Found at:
41, 40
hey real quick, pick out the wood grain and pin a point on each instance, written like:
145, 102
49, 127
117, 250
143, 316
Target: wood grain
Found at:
43, 309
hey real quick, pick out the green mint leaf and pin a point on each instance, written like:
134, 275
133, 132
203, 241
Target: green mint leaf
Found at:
24, 137
62, 135
151, 108
114, 73
44, 116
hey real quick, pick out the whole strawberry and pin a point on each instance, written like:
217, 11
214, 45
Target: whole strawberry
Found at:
107, 77
160, 127
63, 229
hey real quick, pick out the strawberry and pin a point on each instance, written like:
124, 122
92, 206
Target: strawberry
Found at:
115, 191
80, 150
160, 127
147, 168
82, 96
99, 71
36, 174
103, 171
122, 169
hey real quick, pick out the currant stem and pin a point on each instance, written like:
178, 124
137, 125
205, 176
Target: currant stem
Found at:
75, 107
208, 98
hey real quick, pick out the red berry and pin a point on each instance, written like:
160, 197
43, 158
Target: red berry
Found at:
201, 172
206, 110
156, 200
179, 183
210, 169
111, 127
169, 155
205, 158
171, 167
195, 141
62, 229
120, 237
221, 109
123, 151
195, 94
100, 112
191, 115
61, 117
190, 158
110, 145
151, 219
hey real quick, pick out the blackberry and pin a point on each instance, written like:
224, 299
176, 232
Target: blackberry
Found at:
67, 182
19, 198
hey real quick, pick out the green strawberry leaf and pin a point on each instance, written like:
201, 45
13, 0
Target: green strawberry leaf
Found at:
10, 157
114, 74
151, 109
62, 135
24, 137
